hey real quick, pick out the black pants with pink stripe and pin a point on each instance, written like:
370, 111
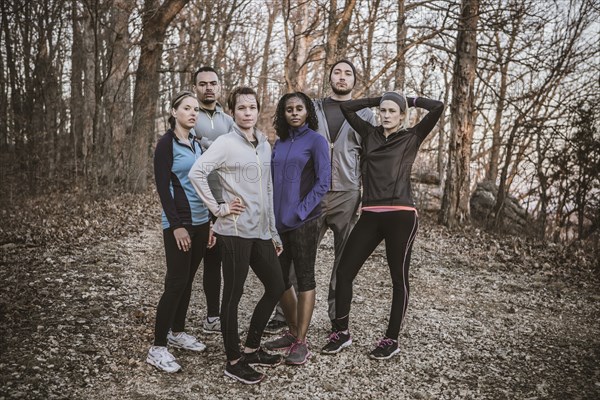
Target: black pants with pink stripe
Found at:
398, 229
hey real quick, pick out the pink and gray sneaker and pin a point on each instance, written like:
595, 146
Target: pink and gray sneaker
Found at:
298, 354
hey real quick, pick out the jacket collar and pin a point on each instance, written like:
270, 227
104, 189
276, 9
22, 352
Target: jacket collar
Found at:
218, 108
257, 133
296, 132
191, 134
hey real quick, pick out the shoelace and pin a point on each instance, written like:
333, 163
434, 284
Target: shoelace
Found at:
165, 355
385, 342
187, 338
296, 344
334, 337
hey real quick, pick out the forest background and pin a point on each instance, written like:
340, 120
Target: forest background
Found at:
84, 94
85, 86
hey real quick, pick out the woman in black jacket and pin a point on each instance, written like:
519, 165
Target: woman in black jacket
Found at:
389, 213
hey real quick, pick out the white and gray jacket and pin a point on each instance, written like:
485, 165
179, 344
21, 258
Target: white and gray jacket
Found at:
244, 172
208, 128
345, 151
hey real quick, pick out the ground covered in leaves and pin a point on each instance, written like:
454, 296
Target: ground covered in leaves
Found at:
489, 317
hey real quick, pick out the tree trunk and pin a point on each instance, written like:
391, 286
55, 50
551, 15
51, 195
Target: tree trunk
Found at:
117, 97
155, 22
401, 30
336, 31
455, 202
264, 67
3, 99
298, 41
491, 173
77, 77
442, 134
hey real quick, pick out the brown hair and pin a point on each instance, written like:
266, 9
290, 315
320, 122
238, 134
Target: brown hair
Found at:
233, 96
176, 101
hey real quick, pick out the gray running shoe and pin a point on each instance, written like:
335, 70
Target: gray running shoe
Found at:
298, 354
212, 327
185, 341
282, 343
275, 326
160, 357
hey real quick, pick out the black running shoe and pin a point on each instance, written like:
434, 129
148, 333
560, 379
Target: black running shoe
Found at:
262, 358
242, 372
337, 341
274, 327
385, 349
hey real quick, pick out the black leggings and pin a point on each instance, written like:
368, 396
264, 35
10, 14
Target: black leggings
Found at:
399, 229
300, 247
212, 278
181, 268
239, 253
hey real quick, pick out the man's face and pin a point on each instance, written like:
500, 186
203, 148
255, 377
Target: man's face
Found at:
207, 87
342, 79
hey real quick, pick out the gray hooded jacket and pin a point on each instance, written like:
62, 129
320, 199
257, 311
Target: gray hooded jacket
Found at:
345, 151
244, 172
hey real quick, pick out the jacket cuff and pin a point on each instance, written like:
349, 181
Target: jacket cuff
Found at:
276, 238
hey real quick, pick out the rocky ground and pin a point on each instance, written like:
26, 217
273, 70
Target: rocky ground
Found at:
490, 317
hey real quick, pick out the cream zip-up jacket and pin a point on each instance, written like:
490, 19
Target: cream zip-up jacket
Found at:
245, 172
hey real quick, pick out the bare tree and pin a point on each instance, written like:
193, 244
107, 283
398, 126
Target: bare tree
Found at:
336, 35
156, 18
455, 203
401, 29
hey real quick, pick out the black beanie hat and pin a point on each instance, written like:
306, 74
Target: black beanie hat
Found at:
344, 62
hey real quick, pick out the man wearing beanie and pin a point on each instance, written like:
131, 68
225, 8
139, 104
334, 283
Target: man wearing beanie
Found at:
341, 202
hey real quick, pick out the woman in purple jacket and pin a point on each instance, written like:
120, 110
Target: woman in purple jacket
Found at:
301, 170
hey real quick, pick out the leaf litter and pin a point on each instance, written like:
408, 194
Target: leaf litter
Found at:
490, 316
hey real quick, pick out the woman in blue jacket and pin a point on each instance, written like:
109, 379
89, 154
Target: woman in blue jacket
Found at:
301, 169
186, 230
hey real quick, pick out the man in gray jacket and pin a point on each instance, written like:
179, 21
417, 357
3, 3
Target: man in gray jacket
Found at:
211, 123
341, 202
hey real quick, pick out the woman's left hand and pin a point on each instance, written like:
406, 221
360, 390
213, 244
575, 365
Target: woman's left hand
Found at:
278, 248
212, 239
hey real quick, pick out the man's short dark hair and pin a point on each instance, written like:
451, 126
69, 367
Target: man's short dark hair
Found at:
204, 69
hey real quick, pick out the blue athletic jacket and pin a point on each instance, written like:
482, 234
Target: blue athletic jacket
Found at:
172, 162
301, 175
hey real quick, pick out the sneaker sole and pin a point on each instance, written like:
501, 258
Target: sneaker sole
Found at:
177, 346
211, 331
264, 365
343, 346
274, 332
386, 357
247, 382
301, 362
154, 364
278, 348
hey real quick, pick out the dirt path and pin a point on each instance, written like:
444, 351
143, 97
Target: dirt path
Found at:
489, 318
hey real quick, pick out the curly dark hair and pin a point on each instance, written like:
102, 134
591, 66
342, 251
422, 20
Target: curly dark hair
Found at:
280, 123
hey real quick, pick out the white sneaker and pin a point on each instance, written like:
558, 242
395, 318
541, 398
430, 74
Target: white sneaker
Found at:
185, 341
160, 357
212, 327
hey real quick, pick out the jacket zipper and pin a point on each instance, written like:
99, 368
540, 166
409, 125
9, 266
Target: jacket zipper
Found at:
284, 163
